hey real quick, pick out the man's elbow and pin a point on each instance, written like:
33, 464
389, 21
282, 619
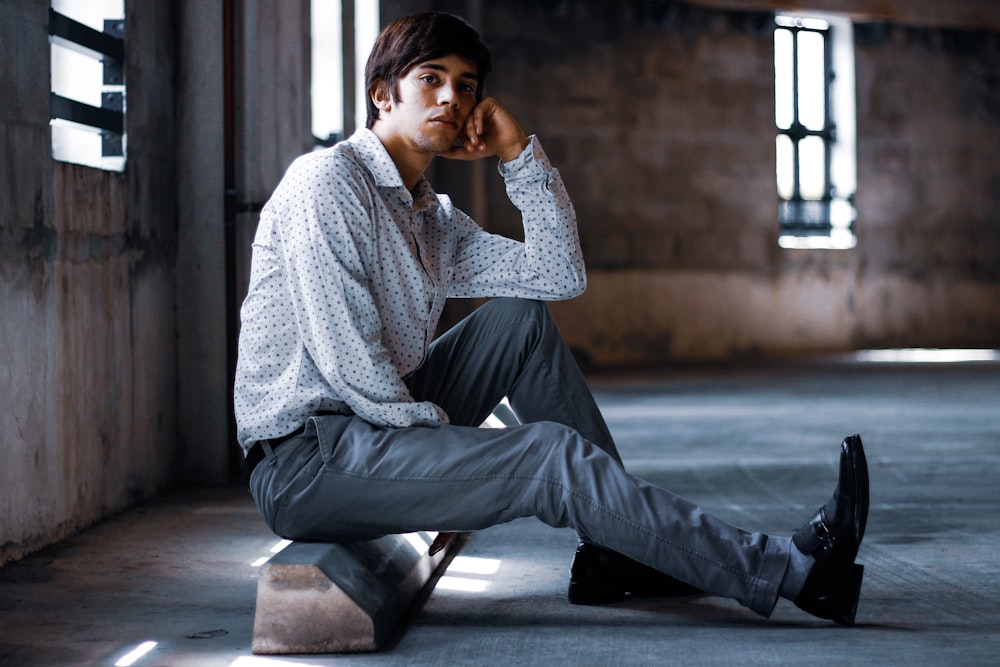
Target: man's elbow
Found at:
575, 286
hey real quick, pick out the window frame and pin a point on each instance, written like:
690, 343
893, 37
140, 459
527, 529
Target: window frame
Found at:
809, 221
108, 120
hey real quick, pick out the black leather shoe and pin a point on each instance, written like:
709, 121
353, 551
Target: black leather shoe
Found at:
832, 538
600, 576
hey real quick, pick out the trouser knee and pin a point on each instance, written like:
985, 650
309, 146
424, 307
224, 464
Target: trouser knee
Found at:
518, 308
566, 454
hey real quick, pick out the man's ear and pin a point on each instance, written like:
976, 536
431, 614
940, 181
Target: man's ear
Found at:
381, 95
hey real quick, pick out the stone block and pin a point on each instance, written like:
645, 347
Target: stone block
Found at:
341, 598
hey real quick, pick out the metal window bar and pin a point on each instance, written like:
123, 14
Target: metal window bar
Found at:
797, 215
109, 48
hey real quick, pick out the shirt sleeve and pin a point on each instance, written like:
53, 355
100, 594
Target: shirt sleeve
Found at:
328, 247
549, 264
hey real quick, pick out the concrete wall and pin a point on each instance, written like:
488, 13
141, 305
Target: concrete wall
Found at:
660, 117
119, 291
87, 293
929, 167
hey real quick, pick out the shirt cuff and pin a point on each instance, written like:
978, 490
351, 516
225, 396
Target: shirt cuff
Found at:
532, 158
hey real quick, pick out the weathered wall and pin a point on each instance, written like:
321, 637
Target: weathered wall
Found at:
929, 172
87, 295
936, 13
660, 117
116, 288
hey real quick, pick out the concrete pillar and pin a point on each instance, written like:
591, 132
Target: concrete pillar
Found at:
203, 398
230, 165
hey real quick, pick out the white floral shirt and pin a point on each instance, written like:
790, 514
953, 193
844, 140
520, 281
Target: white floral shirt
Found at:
350, 273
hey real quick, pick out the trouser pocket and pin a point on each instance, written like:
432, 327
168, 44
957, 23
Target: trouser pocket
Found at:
283, 476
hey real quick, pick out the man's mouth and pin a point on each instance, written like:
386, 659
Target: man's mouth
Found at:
444, 120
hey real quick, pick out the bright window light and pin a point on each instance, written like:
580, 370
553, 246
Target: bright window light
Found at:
812, 172
366, 29
82, 75
801, 22
501, 417
463, 584
472, 565
784, 80
492, 421
136, 653
814, 113
839, 239
280, 545
76, 76
328, 64
928, 355
812, 86
419, 543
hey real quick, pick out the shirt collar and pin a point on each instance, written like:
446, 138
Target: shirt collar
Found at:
377, 160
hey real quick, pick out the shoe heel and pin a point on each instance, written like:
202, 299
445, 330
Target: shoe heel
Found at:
581, 593
847, 598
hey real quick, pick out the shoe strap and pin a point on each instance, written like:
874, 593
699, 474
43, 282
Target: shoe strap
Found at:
814, 535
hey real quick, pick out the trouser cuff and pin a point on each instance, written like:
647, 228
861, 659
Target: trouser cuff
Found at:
776, 557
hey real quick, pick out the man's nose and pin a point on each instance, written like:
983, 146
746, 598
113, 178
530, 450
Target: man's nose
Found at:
448, 94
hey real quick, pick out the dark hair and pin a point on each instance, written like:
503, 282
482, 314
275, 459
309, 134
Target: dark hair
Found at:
417, 38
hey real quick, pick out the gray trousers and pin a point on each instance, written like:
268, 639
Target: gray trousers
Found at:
344, 479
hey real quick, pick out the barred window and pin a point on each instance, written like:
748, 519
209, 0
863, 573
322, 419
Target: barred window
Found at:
343, 32
87, 98
814, 115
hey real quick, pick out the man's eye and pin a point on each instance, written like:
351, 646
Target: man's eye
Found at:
428, 78
466, 88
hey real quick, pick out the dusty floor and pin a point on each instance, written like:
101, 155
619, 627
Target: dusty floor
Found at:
757, 445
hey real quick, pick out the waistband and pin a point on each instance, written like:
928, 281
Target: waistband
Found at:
256, 452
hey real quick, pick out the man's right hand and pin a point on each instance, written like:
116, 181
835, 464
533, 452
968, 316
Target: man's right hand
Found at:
490, 130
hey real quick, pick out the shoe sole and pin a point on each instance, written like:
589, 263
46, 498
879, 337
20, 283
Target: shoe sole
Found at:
591, 594
847, 599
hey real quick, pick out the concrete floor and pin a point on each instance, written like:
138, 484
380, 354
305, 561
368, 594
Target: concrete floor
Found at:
757, 445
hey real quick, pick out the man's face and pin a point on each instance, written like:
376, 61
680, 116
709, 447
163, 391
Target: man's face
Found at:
435, 98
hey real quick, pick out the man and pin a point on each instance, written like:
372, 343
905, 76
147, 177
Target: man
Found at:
356, 425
